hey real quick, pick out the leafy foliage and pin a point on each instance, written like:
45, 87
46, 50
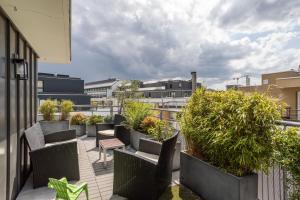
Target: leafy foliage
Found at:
147, 123
126, 91
287, 153
94, 119
231, 130
161, 130
66, 107
108, 119
78, 119
135, 112
48, 109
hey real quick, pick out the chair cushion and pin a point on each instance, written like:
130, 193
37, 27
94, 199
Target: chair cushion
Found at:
35, 137
108, 132
61, 142
148, 156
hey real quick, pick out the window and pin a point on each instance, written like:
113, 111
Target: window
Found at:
40, 86
265, 81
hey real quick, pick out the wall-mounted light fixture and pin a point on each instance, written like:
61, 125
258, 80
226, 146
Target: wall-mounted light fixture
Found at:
21, 68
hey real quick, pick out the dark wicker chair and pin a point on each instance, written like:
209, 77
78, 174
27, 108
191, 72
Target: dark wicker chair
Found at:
118, 119
52, 156
123, 134
136, 177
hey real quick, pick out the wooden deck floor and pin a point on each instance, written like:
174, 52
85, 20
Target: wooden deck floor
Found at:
99, 179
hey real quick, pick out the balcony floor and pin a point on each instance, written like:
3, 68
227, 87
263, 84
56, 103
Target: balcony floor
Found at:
99, 179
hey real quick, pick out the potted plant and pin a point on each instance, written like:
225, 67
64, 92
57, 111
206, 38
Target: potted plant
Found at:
49, 124
66, 107
91, 124
228, 137
78, 123
287, 154
135, 113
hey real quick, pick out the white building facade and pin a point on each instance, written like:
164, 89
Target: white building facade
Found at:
102, 89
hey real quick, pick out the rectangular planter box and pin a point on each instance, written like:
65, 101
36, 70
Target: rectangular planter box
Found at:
80, 129
213, 184
135, 137
91, 130
54, 126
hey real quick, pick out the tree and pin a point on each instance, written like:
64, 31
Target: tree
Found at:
127, 90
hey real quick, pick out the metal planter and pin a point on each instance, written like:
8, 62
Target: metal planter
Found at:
135, 137
213, 184
91, 130
80, 129
54, 126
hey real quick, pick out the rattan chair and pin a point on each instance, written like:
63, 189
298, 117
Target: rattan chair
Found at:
106, 130
52, 156
136, 177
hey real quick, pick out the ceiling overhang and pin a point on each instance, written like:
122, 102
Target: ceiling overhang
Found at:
45, 24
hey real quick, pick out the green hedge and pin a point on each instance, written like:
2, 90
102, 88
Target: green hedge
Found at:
230, 130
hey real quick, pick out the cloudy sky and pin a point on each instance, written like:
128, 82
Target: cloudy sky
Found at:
153, 39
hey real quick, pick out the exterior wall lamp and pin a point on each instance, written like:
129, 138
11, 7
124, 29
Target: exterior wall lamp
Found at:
21, 68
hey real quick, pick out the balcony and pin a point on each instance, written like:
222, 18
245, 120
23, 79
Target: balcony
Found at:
271, 186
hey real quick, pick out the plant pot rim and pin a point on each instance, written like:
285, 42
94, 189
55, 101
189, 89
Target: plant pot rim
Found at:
54, 120
77, 124
217, 168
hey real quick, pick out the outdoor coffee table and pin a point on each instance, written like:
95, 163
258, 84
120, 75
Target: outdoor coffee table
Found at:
107, 144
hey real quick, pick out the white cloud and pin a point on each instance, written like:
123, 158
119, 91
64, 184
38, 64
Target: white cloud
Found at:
140, 39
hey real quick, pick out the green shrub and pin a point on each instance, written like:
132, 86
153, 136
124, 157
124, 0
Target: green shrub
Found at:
66, 107
48, 109
94, 119
287, 154
135, 112
108, 119
147, 123
161, 130
78, 119
230, 130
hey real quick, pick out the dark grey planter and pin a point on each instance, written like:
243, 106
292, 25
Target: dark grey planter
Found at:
91, 130
213, 184
54, 126
135, 137
80, 129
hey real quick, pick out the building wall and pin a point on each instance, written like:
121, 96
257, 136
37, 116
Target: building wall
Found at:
17, 109
62, 85
286, 95
273, 76
63, 88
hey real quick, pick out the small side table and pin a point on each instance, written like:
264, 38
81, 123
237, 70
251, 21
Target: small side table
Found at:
107, 144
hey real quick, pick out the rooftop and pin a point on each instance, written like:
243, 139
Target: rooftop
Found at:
99, 179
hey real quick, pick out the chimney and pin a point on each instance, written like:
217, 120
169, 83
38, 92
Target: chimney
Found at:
194, 81
247, 80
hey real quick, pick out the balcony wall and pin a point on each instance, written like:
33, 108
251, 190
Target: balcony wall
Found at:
17, 108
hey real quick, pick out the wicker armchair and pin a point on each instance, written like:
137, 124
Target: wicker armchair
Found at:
52, 156
136, 177
106, 130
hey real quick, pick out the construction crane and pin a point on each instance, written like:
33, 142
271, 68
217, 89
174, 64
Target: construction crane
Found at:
247, 76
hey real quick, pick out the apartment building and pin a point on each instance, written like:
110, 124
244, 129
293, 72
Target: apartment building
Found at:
102, 89
175, 88
62, 87
284, 86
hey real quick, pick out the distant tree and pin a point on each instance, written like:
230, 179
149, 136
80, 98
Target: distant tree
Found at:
127, 90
